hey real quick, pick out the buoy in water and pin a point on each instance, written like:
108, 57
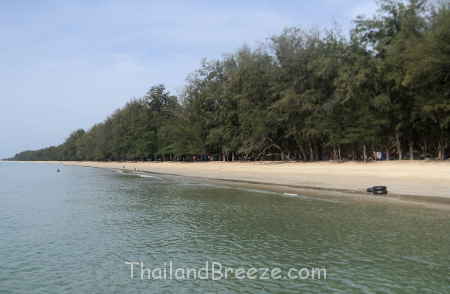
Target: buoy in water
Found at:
57, 170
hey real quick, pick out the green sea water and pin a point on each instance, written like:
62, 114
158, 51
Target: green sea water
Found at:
75, 231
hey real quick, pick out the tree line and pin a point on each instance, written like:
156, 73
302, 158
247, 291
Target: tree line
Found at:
302, 95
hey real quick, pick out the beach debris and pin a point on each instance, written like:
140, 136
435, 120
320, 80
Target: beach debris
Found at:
378, 190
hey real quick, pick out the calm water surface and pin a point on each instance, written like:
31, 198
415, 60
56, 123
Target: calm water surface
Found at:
72, 232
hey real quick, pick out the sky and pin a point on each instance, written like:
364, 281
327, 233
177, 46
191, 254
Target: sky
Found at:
66, 65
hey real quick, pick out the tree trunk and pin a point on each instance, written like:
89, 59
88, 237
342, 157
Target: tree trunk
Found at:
365, 153
398, 146
311, 152
302, 153
411, 150
441, 152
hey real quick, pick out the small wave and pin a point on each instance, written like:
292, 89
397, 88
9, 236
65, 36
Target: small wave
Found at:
256, 190
325, 200
294, 195
148, 176
201, 185
123, 172
145, 176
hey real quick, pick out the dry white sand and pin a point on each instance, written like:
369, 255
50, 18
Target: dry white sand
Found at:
423, 178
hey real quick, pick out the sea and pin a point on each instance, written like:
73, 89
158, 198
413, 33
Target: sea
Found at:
89, 230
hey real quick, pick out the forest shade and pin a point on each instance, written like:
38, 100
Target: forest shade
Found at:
303, 95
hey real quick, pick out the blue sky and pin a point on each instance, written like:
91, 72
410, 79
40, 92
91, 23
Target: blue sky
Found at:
68, 64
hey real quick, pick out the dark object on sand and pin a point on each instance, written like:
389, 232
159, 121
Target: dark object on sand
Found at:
377, 190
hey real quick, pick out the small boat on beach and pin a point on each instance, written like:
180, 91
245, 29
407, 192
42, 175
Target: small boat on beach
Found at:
378, 190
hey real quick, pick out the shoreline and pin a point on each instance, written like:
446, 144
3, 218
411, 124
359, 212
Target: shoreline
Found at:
424, 183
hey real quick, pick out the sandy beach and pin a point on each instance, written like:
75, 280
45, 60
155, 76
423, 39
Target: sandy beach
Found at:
415, 178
